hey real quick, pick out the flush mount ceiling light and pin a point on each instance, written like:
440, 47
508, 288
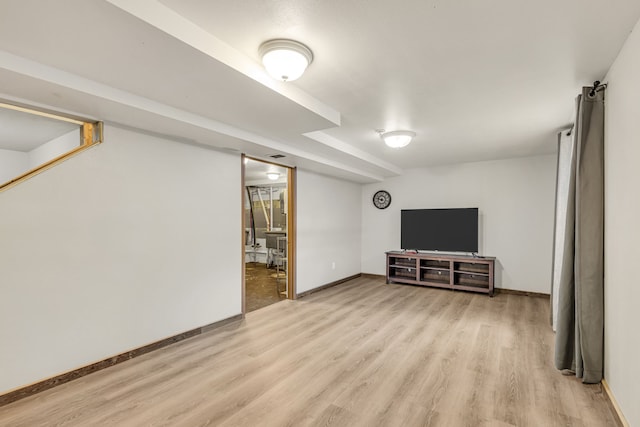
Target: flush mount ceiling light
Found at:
273, 175
285, 59
397, 138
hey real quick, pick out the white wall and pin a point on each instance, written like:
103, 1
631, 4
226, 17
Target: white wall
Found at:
15, 163
328, 230
515, 198
54, 148
622, 229
12, 164
131, 241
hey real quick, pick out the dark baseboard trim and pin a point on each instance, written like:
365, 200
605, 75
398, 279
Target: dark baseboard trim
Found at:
374, 276
40, 386
328, 285
524, 293
49, 383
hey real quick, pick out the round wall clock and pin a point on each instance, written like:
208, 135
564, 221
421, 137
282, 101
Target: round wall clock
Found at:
382, 199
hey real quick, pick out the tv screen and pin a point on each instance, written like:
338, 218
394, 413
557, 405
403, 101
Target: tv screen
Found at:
452, 230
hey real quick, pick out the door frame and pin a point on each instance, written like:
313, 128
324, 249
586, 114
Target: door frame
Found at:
291, 227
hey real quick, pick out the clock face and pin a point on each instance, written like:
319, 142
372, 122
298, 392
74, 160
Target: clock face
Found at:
382, 199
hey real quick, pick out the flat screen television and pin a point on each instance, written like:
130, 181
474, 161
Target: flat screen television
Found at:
450, 230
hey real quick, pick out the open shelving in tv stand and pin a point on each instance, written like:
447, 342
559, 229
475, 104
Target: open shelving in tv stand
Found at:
460, 272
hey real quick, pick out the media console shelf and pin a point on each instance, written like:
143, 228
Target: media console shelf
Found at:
461, 272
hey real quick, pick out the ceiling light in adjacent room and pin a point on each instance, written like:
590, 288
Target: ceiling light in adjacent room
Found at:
397, 138
273, 175
285, 59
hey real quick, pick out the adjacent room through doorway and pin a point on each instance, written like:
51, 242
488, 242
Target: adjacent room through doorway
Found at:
266, 233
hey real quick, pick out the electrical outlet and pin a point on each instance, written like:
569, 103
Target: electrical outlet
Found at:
333, 265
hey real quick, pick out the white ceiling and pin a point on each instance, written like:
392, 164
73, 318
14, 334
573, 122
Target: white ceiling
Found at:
474, 80
20, 131
255, 173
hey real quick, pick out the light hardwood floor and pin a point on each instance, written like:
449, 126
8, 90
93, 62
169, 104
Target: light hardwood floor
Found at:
360, 354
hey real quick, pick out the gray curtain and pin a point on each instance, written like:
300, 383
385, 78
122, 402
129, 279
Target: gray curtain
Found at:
564, 174
580, 310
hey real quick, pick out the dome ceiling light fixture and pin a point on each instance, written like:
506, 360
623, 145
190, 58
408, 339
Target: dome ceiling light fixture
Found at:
273, 175
397, 138
285, 59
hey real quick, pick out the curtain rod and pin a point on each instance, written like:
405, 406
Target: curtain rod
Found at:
597, 87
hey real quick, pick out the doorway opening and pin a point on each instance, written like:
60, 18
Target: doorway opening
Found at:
268, 237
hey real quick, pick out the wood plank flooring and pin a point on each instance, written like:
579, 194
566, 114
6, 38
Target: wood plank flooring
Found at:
263, 286
359, 354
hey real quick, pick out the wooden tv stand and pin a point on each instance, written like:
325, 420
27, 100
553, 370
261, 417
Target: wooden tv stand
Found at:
459, 272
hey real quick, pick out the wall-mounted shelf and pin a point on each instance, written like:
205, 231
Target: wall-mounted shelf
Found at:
459, 272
